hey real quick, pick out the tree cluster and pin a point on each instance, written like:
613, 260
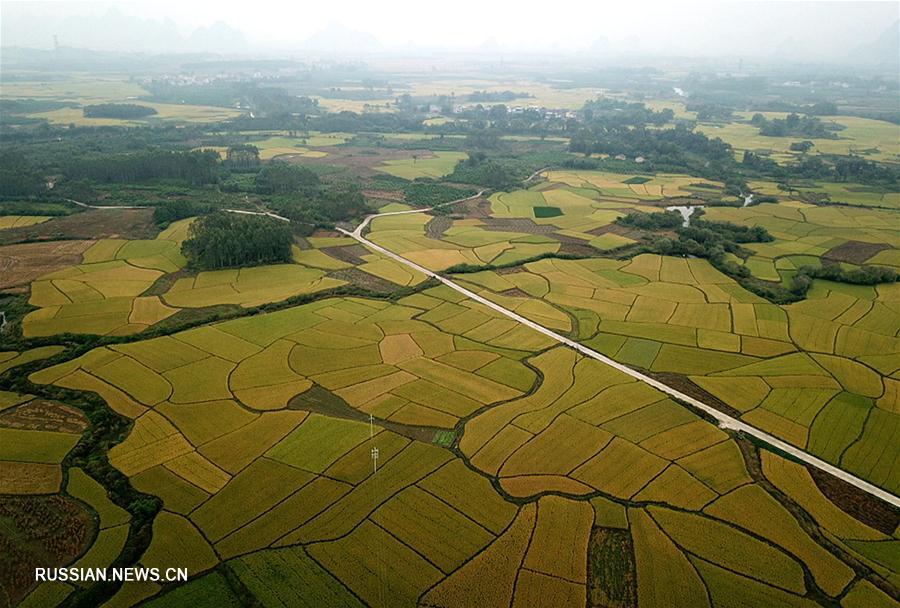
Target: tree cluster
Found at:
664, 220
613, 113
242, 158
282, 178
795, 125
495, 96
124, 111
225, 240
194, 168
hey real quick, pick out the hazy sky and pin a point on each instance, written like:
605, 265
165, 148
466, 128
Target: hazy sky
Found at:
814, 29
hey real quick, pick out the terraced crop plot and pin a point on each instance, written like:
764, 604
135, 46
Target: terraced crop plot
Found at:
663, 185
285, 494
18, 221
107, 292
804, 233
101, 295
435, 166
572, 212
819, 373
877, 137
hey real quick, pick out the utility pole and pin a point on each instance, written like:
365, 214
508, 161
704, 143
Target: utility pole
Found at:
371, 426
374, 460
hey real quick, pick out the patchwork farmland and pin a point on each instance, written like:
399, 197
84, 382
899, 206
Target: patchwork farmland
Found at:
391, 332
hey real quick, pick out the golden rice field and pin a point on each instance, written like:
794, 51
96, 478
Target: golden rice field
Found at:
876, 139
652, 187
106, 293
435, 166
19, 221
31, 456
511, 470
821, 374
552, 450
804, 232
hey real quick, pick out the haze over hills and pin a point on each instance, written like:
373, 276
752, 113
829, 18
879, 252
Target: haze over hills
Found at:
836, 32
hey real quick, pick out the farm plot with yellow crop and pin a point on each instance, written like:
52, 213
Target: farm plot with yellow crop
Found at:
235, 430
101, 295
817, 373
804, 234
106, 294
435, 166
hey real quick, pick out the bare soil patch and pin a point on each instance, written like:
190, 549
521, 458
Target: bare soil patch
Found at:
43, 415
511, 270
45, 531
359, 161
322, 401
364, 279
326, 234
437, 225
515, 292
352, 254
386, 195
853, 501
23, 263
517, 224
686, 386
580, 249
855, 252
91, 224
476, 208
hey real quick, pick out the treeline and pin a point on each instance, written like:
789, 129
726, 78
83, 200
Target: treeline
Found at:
613, 113
422, 193
678, 149
663, 220
261, 100
825, 168
194, 168
496, 96
172, 211
322, 207
501, 171
19, 177
282, 178
795, 125
225, 240
118, 110
710, 111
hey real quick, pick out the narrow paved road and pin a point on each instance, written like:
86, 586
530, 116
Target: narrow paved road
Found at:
357, 232
725, 421
86, 206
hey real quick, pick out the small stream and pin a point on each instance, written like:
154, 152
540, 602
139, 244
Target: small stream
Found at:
686, 212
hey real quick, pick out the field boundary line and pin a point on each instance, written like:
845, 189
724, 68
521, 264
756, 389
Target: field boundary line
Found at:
724, 420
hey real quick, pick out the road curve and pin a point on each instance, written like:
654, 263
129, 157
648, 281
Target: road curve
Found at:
725, 421
86, 206
357, 232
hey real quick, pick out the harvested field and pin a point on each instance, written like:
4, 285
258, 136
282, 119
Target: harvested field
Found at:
21, 264
855, 252
91, 224
43, 415
44, 531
